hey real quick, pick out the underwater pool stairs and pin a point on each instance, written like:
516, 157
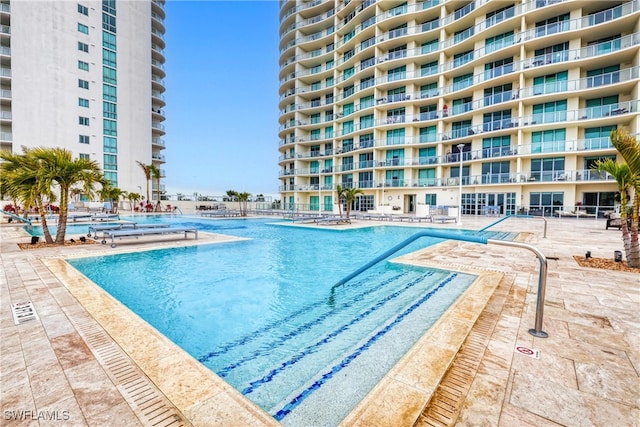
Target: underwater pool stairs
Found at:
395, 313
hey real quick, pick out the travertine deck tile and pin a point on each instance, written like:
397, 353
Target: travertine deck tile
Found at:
587, 373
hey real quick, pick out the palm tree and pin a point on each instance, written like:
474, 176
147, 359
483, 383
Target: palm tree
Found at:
242, 199
111, 194
629, 148
20, 177
133, 198
232, 195
147, 174
349, 195
340, 196
57, 167
155, 174
621, 173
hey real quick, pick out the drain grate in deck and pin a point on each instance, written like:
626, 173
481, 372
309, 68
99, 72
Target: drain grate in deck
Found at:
147, 402
444, 406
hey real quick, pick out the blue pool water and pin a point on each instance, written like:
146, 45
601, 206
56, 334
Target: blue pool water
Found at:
258, 312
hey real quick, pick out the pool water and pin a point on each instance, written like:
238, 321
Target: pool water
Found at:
260, 312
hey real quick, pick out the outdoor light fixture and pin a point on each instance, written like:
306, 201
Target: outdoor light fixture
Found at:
617, 256
587, 255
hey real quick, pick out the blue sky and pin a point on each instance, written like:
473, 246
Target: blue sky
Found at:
222, 97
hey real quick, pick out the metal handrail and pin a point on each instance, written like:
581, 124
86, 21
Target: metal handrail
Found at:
544, 235
18, 217
542, 278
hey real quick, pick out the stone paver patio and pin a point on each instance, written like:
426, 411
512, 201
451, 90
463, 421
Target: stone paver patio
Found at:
87, 360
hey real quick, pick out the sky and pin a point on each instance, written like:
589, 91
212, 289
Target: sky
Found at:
222, 97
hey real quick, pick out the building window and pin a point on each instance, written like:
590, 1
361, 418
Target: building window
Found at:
498, 68
110, 144
109, 93
549, 169
109, 110
84, 121
461, 82
83, 102
83, 84
427, 156
428, 134
367, 82
109, 40
429, 69
83, 9
84, 139
83, 28
462, 58
551, 83
109, 58
366, 121
551, 54
499, 15
545, 203
109, 6
108, 23
430, 46
550, 112
110, 127
548, 141
84, 156
496, 146
83, 65
495, 172
109, 75
83, 47
395, 137
553, 25
498, 42
398, 73
366, 101
496, 120
598, 138
111, 162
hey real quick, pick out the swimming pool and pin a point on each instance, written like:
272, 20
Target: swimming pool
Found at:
258, 313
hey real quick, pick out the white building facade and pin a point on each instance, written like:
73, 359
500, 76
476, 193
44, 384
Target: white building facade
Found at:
86, 76
497, 106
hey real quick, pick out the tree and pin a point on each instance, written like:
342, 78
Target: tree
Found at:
133, 198
242, 199
340, 194
629, 148
57, 167
147, 174
232, 195
349, 195
22, 181
111, 194
156, 174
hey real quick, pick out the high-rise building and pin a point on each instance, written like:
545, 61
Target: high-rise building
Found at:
402, 99
86, 76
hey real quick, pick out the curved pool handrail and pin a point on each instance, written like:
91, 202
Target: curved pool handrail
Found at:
542, 278
544, 235
18, 217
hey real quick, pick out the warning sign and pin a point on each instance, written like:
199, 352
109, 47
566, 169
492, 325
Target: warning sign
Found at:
528, 351
23, 312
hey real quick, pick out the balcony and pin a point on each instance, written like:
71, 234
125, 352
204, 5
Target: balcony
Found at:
6, 116
159, 142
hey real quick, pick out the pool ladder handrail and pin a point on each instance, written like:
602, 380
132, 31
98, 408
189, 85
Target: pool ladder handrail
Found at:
17, 217
542, 277
544, 235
